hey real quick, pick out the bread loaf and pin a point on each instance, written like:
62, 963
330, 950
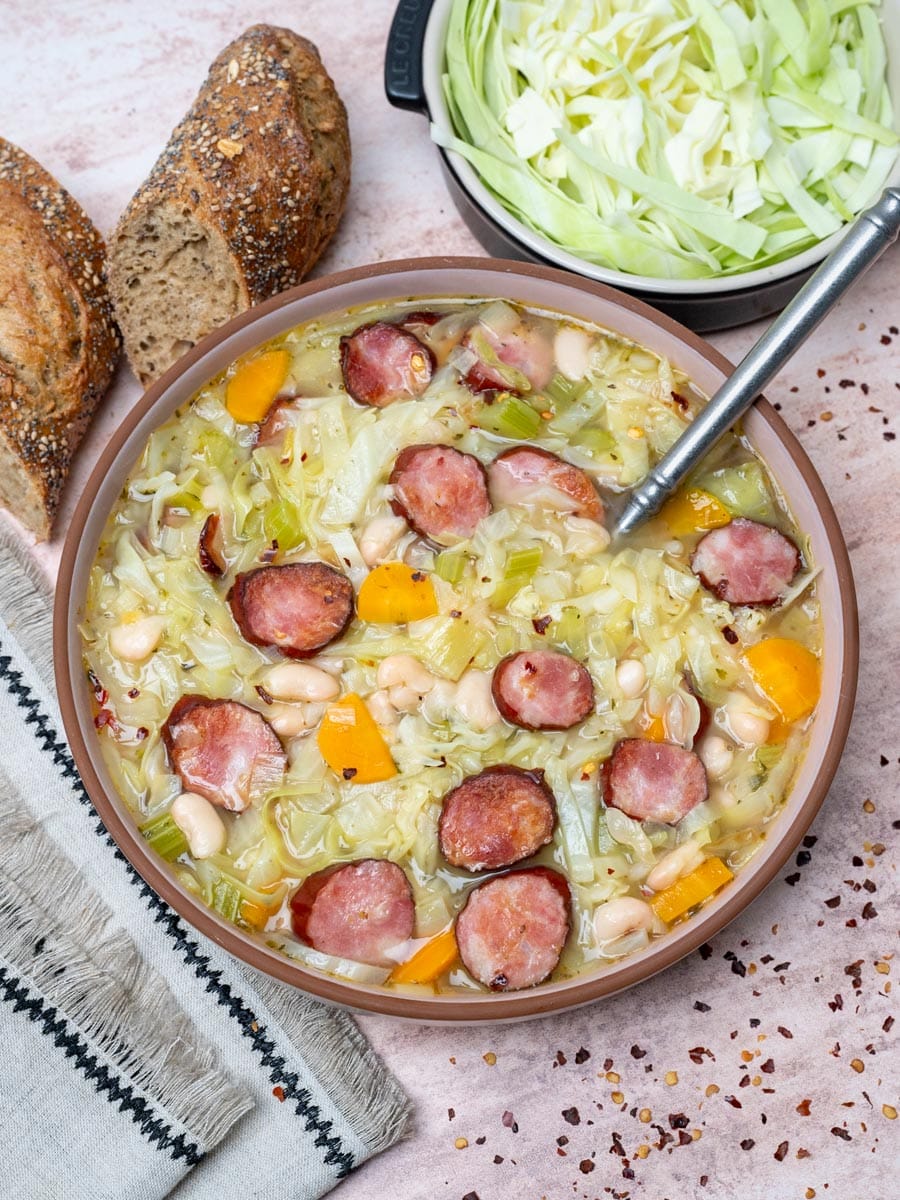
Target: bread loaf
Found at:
241, 203
58, 341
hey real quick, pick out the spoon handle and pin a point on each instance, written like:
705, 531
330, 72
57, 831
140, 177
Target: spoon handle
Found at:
867, 239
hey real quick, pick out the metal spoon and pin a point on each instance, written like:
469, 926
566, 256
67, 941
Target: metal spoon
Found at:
867, 239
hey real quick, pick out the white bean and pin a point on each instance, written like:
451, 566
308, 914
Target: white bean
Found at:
586, 537
620, 916
136, 640
675, 719
200, 824
572, 350
379, 705
716, 755
293, 720
680, 861
403, 670
475, 701
300, 681
378, 538
631, 676
747, 725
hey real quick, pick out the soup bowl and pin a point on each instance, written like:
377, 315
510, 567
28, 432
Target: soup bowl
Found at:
538, 288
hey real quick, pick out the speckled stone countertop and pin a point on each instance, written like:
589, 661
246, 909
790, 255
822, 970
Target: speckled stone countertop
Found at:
763, 1066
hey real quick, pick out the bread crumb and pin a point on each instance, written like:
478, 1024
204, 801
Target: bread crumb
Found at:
229, 148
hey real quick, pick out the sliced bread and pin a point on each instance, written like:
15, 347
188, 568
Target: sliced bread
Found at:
58, 341
240, 204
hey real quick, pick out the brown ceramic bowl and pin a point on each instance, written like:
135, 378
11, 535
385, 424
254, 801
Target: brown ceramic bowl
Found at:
545, 288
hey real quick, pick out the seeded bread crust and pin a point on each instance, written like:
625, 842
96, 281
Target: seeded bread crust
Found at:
241, 203
58, 340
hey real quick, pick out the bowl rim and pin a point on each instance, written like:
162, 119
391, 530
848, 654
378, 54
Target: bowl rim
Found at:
536, 243
480, 1007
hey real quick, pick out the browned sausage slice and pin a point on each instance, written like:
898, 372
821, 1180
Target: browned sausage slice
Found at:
358, 910
524, 351
513, 928
745, 562
277, 421
210, 550
496, 818
297, 608
441, 492
382, 363
223, 750
653, 781
530, 475
542, 689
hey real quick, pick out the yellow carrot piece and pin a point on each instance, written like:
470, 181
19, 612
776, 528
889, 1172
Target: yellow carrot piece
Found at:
675, 901
351, 744
254, 915
787, 674
251, 390
693, 510
396, 593
429, 961
653, 728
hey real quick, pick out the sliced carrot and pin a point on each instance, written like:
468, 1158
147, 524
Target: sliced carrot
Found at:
251, 390
351, 743
429, 961
254, 915
653, 728
787, 674
397, 593
676, 900
693, 510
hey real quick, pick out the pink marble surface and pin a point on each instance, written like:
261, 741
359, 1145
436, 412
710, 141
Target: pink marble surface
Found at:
779, 1035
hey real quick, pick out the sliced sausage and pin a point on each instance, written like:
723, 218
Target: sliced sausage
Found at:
223, 750
210, 549
297, 608
358, 910
277, 421
542, 689
496, 818
745, 562
530, 475
513, 928
382, 363
420, 319
441, 492
524, 348
653, 781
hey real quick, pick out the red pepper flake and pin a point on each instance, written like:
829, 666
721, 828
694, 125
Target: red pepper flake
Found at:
498, 1159
833, 902
617, 1147
541, 624
701, 1007
803, 1108
681, 401
349, 772
869, 911
888, 1024
781, 1153
733, 1101
471, 1196
571, 1116
888, 435
637, 1052
106, 718
278, 1093
101, 695
885, 340
841, 1133
509, 1122
133, 693
748, 1144
678, 1121
791, 880
846, 383
837, 1003
586, 1166
785, 1033
479, 1141
561, 1059
266, 697
705, 951
562, 1140
768, 1067
141, 733
698, 1053
451, 1113
582, 1056
729, 635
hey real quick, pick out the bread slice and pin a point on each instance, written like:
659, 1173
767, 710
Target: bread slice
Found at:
58, 341
240, 204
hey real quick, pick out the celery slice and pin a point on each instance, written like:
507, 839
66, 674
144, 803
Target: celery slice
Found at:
512, 417
522, 563
450, 565
165, 837
226, 898
562, 390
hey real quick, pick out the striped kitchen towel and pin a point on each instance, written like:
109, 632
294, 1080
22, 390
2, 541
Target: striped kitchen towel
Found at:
137, 1059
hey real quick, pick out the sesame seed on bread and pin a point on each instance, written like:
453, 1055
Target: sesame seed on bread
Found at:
240, 204
58, 340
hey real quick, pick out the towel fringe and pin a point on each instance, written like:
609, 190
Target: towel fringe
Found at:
94, 974
369, 1097
26, 602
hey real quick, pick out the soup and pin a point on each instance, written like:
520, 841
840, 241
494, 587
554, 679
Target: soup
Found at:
372, 678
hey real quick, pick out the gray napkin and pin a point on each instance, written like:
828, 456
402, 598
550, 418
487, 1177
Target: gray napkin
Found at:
136, 1057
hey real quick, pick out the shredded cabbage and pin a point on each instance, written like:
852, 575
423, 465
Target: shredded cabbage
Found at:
675, 139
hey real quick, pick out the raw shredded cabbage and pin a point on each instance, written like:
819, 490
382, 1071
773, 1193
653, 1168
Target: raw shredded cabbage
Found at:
673, 139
